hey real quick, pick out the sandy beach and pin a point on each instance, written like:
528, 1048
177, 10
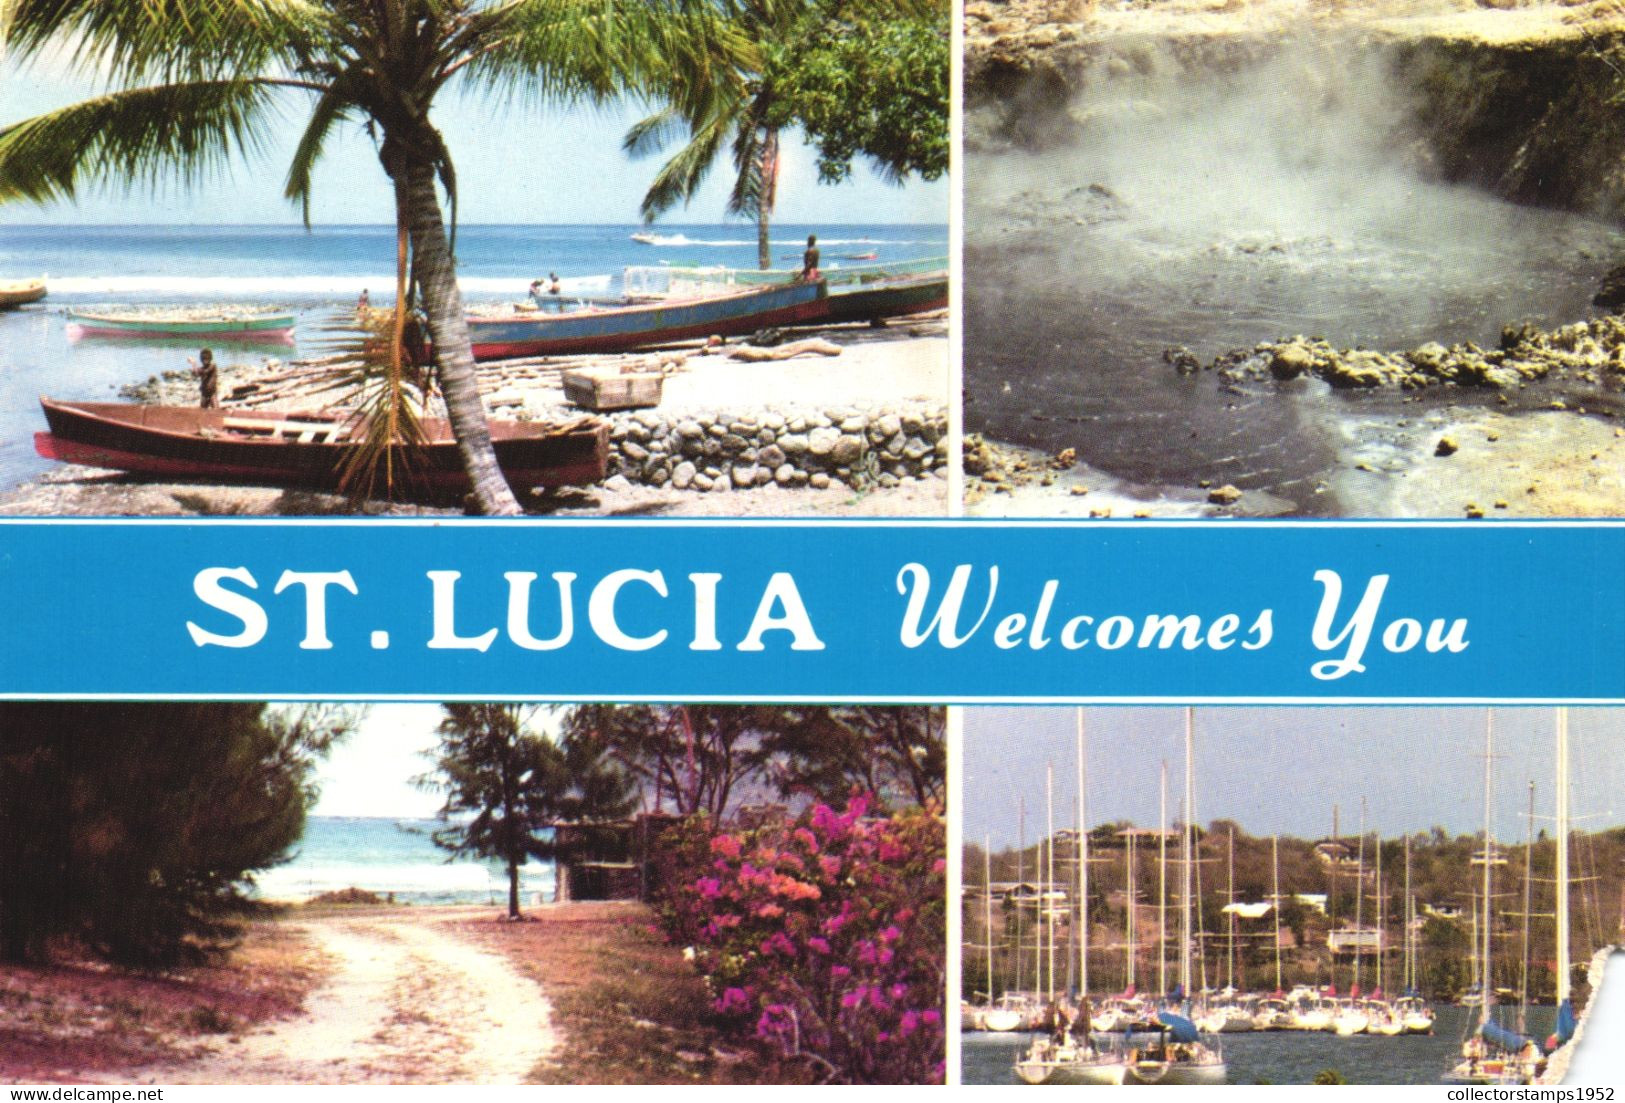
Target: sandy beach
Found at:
897, 369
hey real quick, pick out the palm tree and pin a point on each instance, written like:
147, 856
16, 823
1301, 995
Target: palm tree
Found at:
196, 83
743, 104
738, 108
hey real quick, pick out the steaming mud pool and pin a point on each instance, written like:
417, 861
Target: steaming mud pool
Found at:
1102, 281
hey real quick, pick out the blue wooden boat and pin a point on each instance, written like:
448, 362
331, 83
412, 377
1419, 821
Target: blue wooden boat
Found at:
634, 327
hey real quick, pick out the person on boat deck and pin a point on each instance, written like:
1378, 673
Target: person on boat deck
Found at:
809, 260
208, 379
553, 285
535, 288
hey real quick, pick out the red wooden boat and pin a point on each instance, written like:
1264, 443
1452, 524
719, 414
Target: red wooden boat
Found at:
283, 448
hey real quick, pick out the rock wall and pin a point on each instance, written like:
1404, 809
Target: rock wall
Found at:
736, 450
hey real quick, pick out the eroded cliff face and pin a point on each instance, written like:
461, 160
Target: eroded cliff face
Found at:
1527, 103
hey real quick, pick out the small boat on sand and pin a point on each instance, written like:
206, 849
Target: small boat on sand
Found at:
644, 326
14, 293
216, 326
286, 448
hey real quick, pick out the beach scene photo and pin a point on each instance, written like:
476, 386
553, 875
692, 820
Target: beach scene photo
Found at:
649, 258
1312, 259
1291, 896
485, 893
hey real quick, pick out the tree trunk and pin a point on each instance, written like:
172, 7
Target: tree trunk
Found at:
764, 248
768, 168
513, 889
436, 276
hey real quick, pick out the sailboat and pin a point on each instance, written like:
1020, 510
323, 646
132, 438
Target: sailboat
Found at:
1178, 1054
1493, 1054
1069, 1055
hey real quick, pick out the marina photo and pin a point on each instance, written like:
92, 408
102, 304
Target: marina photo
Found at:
1422, 940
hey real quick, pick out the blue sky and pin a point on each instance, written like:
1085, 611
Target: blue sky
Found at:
1282, 769
515, 165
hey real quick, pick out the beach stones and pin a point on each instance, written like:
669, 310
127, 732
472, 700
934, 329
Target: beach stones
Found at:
741, 450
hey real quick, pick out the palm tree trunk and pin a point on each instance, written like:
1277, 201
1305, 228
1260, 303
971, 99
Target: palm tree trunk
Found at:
764, 250
768, 168
436, 276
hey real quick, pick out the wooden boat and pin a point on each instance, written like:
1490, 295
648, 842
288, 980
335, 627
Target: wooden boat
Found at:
218, 327
303, 449
886, 299
17, 292
634, 327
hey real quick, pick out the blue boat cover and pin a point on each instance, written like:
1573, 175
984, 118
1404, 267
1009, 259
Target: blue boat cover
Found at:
1499, 1036
1565, 1023
1180, 1029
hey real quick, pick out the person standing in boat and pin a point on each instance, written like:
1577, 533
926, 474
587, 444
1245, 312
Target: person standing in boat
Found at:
208, 379
809, 261
553, 284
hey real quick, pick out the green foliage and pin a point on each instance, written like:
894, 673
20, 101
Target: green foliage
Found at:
1329, 1076
876, 88
859, 77
513, 784
136, 828
709, 759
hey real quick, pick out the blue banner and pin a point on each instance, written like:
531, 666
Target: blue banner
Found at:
923, 611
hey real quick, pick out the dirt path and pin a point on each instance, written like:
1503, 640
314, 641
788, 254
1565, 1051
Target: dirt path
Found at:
407, 1002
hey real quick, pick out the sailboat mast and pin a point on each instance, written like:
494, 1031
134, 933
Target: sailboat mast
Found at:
1162, 886
987, 907
1528, 872
1021, 881
1359, 900
1409, 968
1230, 912
1083, 874
1563, 967
1486, 983
1275, 898
1186, 845
1380, 904
1049, 872
1130, 927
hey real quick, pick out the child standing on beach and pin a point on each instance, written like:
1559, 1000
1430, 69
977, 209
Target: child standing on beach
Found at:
208, 378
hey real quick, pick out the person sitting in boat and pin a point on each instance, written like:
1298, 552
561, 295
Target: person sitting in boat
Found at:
208, 378
809, 261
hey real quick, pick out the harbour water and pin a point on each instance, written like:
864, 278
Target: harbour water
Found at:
318, 275
390, 856
1291, 1057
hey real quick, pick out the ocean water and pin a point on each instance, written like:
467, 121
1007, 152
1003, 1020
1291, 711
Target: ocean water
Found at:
1291, 1057
318, 275
394, 856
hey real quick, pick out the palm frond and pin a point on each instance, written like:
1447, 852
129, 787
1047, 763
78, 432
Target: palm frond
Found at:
137, 136
331, 108
388, 393
168, 40
653, 133
569, 50
755, 169
681, 176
